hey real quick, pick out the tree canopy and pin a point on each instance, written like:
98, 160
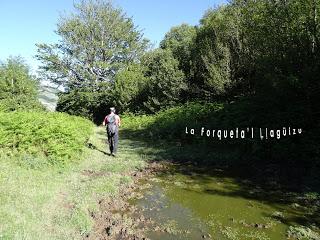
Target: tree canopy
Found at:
18, 88
97, 40
166, 81
245, 48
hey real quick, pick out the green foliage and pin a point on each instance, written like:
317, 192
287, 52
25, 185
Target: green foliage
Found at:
77, 103
165, 81
137, 122
154, 84
301, 232
211, 57
20, 103
97, 41
170, 124
282, 42
129, 83
18, 89
93, 106
52, 138
180, 40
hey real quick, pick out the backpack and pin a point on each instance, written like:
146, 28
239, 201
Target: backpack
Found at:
112, 125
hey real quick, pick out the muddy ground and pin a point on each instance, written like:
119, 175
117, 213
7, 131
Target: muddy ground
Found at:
117, 218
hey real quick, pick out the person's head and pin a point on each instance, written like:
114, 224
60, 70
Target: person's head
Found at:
112, 110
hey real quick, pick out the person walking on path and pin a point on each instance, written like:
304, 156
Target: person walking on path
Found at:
112, 123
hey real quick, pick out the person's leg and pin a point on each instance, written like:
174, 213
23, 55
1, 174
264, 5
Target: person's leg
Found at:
110, 142
116, 139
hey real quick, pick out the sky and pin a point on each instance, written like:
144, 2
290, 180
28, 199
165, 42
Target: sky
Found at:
25, 23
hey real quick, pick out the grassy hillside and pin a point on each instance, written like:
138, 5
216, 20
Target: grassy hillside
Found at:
50, 180
58, 202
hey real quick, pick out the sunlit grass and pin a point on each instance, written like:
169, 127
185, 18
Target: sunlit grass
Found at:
56, 202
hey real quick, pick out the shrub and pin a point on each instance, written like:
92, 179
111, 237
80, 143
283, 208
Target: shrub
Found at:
171, 123
56, 138
20, 103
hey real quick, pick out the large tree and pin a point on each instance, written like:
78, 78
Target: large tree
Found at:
221, 64
165, 81
97, 41
283, 38
179, 40
18, 88
211, 57
128, 85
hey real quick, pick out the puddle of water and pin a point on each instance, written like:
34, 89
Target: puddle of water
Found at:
196, 206
176, 221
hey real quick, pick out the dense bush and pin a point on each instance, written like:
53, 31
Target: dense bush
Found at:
20, 103
49, 138
77, 103
170, 124
85, 104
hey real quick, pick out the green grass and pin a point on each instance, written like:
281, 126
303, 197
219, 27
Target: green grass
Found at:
55, 202
51, 196
50, 181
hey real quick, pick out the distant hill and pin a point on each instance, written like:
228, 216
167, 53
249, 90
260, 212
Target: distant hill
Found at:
48, 97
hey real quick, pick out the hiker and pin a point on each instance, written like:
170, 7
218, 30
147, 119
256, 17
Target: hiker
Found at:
112, 121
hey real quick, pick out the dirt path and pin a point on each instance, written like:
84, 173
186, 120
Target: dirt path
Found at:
116, 218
